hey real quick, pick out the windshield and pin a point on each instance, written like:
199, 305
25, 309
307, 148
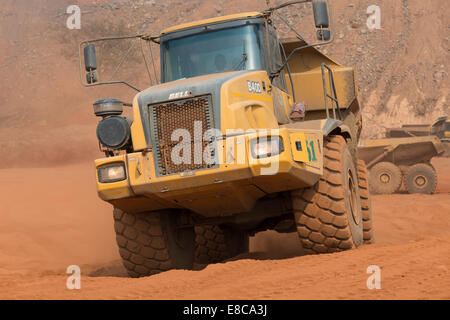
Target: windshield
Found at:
213, 52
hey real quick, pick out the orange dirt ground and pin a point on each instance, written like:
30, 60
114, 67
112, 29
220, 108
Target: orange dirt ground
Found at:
52, 218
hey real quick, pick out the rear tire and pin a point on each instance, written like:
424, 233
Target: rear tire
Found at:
215, 244
385, 178
366, 203
421, 178
150, 243
328, 215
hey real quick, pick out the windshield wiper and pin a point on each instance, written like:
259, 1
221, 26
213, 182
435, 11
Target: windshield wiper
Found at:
241, 63
243, 60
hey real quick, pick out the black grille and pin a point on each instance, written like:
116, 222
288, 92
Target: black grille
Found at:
188, 114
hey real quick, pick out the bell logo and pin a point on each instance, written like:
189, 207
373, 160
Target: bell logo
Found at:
374, 281
178, 95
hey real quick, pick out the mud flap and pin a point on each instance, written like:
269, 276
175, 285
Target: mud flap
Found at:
180, 240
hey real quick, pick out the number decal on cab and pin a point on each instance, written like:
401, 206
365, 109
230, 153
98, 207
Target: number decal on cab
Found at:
254, 87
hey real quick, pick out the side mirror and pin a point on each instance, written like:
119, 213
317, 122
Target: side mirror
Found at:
323, 35
90, 58
322, 20
90, 63
92, 77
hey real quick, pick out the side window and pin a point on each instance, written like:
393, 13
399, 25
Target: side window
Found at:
276, 60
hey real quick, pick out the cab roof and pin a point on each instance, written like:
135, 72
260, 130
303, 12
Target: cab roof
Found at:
212, 21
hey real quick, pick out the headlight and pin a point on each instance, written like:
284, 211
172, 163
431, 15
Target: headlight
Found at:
112, 173
114, 132
266, 147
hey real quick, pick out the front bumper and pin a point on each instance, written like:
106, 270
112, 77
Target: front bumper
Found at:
232, 187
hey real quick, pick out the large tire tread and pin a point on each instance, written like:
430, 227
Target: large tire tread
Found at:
210, 245
215, 244
366, 203
142, 244
320, 211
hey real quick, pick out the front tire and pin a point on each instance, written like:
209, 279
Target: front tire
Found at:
151, 243
328, 215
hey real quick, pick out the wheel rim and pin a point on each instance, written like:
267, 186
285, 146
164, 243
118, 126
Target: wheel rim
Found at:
353, 199
385, 178
420, 181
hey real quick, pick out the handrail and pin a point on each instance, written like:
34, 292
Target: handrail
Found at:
333, 97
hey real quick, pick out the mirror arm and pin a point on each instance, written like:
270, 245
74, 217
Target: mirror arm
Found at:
141, 36
146, 64
298, 49
274, 74
290, 27
113, 82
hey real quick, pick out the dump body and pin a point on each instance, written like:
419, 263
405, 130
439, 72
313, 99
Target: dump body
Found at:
306, 72
439, 128
311, 83
400, 151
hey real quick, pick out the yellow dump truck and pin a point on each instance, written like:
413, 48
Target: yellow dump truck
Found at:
245, 133
394, 162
